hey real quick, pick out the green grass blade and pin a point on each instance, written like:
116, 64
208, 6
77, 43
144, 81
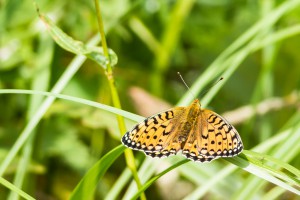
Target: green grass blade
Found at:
77, 100
85, 188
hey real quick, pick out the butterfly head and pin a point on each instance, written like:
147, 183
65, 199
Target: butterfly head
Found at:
196, 102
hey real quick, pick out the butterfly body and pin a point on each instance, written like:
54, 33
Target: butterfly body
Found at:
200, 134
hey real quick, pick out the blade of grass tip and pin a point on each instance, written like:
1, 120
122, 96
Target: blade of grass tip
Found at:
255, 170
86, 187
152, 180
14, 188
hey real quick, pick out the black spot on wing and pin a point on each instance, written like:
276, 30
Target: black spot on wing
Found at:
160, 117
212, 118
204, 137
163, 126
222, 126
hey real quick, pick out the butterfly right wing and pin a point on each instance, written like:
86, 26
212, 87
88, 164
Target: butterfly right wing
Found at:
154, 134
213, 137
224, 141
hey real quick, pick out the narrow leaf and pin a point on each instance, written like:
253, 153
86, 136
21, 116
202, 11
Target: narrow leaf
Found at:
77, 47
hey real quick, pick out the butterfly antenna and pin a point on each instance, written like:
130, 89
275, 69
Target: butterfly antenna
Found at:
186, 84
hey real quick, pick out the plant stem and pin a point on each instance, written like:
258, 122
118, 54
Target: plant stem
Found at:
115, 98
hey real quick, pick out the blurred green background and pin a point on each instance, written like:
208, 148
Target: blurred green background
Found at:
153, 39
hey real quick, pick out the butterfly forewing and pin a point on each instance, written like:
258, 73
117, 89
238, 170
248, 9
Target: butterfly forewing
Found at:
201, 134
154, 133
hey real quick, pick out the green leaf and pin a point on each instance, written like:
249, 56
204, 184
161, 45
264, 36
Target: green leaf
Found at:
77, 47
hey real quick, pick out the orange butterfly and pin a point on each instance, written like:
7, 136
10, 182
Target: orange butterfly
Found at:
202, 135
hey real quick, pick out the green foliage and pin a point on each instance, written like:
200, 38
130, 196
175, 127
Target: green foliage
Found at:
50, 147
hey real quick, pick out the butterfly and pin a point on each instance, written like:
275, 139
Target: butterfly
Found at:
200, 134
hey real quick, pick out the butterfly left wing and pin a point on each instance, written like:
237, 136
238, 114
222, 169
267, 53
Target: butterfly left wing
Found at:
154, 134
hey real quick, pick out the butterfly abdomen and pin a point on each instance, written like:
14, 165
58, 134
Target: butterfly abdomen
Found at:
191, 115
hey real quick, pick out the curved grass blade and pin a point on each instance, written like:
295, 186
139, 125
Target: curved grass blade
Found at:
260, 159
114, 110
86, 187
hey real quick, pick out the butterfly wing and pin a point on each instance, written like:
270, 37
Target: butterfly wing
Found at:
154, 134
212, 137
